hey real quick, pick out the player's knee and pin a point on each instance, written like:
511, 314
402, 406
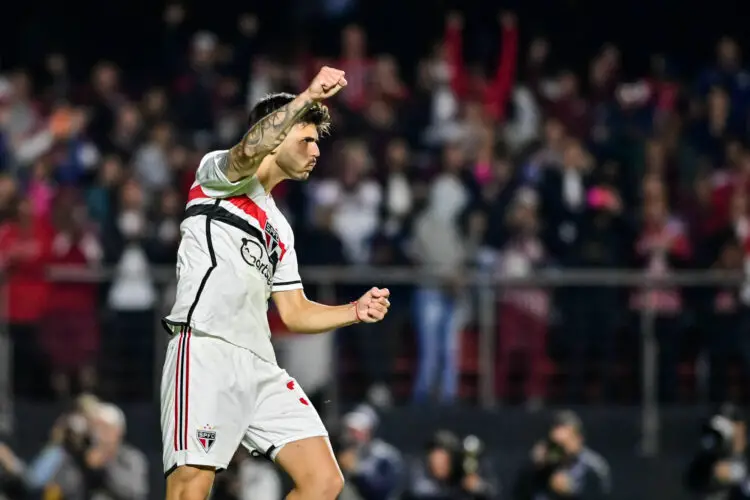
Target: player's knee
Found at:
190, 483
325, 485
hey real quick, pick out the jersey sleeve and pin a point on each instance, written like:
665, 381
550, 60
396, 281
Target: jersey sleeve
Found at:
212, 176
287, 276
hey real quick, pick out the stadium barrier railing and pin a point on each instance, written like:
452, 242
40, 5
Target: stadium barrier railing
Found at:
484, 287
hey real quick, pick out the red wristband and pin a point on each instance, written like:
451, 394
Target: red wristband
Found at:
356, 312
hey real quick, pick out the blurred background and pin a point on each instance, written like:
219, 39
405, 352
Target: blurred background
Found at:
583, 169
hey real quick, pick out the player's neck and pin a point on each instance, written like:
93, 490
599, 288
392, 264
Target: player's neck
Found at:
269, 174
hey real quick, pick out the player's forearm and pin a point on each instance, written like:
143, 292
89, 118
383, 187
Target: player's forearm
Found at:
264, 137
312, 317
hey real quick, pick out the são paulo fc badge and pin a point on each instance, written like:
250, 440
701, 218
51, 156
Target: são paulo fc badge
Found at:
206, 438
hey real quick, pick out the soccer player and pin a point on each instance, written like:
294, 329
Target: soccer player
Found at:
221, 385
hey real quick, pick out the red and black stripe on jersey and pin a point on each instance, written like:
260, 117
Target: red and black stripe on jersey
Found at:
268, 237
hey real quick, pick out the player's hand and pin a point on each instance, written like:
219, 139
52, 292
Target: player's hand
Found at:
326, 84
373, 305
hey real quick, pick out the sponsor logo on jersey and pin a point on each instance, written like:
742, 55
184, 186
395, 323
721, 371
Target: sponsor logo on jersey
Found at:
206, 438
252, 252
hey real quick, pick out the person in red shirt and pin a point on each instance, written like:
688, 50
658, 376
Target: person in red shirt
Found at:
357, 65
494, 92
24, 252
70, 333
662, 247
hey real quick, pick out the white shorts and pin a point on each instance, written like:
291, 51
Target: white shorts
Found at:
216, 396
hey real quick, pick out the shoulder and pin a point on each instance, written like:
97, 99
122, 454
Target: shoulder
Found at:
281, 226
215, 157
597, 463
384, 450
132, 454
371, 192
325, 192
421, 482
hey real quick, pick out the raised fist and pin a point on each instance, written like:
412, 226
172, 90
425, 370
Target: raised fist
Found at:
373, 305
326, 84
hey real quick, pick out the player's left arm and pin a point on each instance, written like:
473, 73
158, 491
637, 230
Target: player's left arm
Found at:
301, 315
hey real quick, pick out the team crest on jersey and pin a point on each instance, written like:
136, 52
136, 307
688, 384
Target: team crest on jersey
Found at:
206, 438
272, 245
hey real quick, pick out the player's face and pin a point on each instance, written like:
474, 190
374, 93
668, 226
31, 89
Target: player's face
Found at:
299, 152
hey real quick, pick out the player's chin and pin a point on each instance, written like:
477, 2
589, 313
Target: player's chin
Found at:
302, 175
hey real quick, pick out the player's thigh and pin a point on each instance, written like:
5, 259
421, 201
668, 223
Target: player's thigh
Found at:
203, 405
311, 465
189, 482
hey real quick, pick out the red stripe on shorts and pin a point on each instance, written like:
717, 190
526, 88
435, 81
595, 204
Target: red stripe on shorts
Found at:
187, 387
177, 373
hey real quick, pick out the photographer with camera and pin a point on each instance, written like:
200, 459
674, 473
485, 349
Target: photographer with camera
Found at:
718, 471
452, 470
562, 467
55, 471
372, 468
85, 458
11, 483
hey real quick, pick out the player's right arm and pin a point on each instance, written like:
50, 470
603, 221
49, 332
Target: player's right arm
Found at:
266, 135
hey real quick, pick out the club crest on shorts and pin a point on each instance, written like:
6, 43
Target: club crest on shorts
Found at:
206, 437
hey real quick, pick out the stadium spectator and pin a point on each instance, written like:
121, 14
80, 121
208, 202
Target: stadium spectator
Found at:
440, 247
519, 115
70, 332
662, 246
613, 156
131, 296
523, 312
25, 246
374, 467
85, 458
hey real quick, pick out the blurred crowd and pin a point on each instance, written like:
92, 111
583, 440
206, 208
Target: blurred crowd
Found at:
508, 164
87, 457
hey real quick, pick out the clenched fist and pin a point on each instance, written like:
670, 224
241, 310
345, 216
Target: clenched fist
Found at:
373, 305
326, 84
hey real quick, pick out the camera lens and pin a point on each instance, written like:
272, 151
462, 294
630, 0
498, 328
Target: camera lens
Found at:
472, 445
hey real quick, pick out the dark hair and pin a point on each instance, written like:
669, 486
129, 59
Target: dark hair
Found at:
567, 418
446, 440
731, 412
317, 115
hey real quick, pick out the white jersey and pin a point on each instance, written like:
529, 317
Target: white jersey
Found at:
236, 249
